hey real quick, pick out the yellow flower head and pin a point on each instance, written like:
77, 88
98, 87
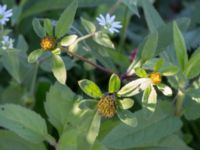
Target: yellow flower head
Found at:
48, 43
155, 77
106, 106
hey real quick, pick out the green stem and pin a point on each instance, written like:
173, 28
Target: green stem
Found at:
51, 140
86, 60
35, 71
179, 103
124, 29
85, 37
114, 7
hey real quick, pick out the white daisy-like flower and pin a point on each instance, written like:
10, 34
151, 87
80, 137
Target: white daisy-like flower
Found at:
109, 23
7, 43
4, 14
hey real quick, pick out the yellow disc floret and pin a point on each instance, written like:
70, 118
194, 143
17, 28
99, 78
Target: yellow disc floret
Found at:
106, 106
48, 43
155, 77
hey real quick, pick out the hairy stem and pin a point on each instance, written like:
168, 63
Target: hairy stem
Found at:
86, 60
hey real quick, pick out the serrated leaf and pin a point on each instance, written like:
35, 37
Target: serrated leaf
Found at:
90, 88
37, 27
58, 69
59, 105
114, 83
88, 25
179, 43
34, 55
17, 119
127, 118
143, 135
135, 87
66, 19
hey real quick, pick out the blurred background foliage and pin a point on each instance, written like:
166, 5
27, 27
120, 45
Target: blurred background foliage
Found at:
136, 26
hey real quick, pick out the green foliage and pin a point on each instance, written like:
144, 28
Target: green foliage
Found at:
114, 83
58, 69
65, 21
90, 88
145, 66
180, 47
17, 119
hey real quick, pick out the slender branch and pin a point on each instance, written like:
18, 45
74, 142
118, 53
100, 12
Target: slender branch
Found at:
87, 61
114, 7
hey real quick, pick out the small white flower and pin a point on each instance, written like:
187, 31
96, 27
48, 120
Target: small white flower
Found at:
109, 23
7, 43
4, 14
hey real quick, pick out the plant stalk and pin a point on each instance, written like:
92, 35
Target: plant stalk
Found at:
179, 103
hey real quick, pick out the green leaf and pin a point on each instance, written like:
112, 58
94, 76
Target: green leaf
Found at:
181, 51
141, 72
103, 39
48, 27
59, 105
34, 55
149, 100
88, 104
158, 65
132, 5
134, 87
11, 61
24, 122
68, 40
114, 83
66, 19
21, 43
90, 88
169, 70
192, 104
126, 103
150, 45
68, 140
127, 117
94, 129
192, 69
58, 69
166, 90
88, 25
37, 27
9, 140
144, 134
153, 19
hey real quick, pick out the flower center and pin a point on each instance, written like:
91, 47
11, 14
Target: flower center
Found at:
48, 43
106, 106
155, 77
